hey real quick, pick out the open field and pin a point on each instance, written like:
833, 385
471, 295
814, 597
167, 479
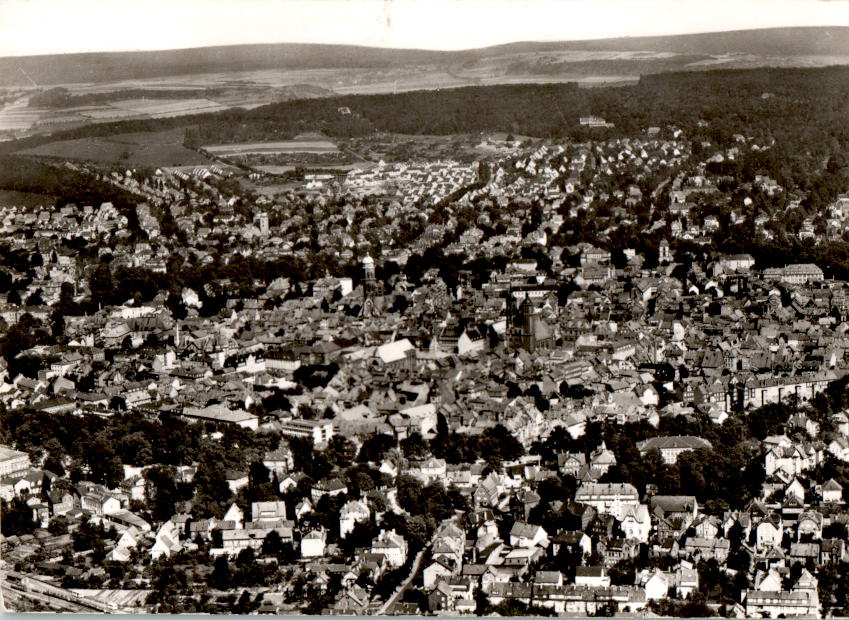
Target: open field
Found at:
168, 107
272, 148
201, 95
272, 169
155, 149
28, 199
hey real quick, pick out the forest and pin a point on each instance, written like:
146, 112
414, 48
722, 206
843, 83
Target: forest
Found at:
805, 108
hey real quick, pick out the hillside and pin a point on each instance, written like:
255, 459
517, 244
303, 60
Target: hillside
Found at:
802, 110
761, 46
806, 41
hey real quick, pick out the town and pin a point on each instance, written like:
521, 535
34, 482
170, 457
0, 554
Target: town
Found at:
532, 384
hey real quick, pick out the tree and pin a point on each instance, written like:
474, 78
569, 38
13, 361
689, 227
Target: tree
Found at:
483, 606
17, 517
245, 605
258, 473
221, 577
409, 490
101, 285
375, 448
212, 493
361, 482
497, 444
161, 492
414, 447
272, 544
341, 451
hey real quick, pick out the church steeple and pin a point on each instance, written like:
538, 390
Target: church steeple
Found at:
371, 286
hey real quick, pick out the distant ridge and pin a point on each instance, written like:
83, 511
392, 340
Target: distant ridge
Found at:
800, 41
114, 66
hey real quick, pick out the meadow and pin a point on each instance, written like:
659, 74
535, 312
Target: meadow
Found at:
272, 148
153, 149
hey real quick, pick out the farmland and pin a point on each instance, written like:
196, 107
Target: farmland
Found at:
273, 148
154, 149
25, 112
155, 108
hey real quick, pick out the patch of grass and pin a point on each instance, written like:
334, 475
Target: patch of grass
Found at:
162, 148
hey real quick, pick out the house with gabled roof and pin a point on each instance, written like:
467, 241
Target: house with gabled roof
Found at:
527, 535
769, 532
391, 545
350, 514
832, 492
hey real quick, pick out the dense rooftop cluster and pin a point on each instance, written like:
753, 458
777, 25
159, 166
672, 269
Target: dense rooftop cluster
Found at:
570, 378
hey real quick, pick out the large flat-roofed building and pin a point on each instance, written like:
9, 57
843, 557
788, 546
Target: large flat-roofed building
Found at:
12, 461
320, 431
800, 273
222, 414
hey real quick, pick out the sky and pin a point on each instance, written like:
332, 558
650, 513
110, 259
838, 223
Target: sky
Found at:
67, 26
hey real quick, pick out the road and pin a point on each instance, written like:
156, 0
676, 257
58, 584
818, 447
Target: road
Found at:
659, 189
413, 571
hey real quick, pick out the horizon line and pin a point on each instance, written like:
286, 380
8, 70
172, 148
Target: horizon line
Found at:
419, 48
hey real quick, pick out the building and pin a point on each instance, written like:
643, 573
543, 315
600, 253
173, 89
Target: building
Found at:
223, 415
312, 544
320, 431
350, 514
672, 446
527, 328
799, 273
392, 546
608, 498
13, 461
268, 511
780, 603
737, 262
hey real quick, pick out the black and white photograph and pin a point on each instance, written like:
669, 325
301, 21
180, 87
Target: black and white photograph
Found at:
425, 307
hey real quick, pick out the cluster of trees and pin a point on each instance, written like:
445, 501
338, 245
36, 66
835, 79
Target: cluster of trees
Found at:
115, 286
24, 174
134, 439
809, 96
17, 517
494, 445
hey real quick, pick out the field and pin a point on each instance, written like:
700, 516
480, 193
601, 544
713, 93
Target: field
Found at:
272, 169
273, 148
119, 101
155, 149
24, 199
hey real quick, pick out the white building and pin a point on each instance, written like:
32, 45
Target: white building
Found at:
608, 498
352, 513
312, 544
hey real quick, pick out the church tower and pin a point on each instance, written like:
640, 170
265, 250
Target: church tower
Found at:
371, 286
262, 221
664, 255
